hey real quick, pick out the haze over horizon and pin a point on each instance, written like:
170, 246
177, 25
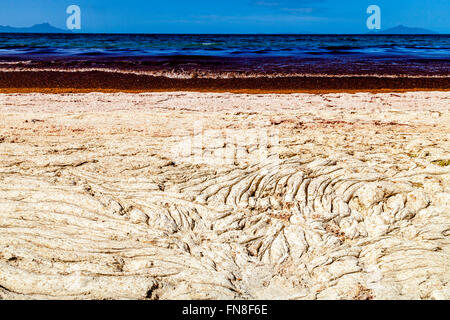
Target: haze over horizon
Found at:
233, 16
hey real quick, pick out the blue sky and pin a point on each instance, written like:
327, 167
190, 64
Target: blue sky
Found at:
230, 16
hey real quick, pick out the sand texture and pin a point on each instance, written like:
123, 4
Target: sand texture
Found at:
225, 196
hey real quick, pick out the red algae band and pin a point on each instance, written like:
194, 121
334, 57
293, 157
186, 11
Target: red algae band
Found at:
60, 80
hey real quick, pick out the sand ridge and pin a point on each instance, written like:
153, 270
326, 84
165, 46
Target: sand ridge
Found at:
95, 204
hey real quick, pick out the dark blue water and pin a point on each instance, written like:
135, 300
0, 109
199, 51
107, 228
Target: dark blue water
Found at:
433, 46
233, 53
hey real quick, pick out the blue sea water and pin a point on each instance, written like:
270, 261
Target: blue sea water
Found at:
433, 46
273, 53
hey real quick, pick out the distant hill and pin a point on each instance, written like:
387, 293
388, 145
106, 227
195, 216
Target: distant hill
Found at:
404, 30
37, 28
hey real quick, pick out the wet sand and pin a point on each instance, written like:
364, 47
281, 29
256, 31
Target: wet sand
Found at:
166, 195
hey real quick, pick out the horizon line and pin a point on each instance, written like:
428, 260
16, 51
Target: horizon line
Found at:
370, 33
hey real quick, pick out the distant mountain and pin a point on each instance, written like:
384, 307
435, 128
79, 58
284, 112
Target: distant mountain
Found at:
404, 30
37, 28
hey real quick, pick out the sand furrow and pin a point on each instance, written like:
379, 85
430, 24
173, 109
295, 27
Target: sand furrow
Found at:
351, 200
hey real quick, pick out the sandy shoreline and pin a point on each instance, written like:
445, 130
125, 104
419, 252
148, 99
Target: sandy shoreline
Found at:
183, 195
199, 90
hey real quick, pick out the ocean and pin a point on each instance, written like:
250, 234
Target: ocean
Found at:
230, 55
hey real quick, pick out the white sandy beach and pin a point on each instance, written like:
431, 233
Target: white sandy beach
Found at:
225, 196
